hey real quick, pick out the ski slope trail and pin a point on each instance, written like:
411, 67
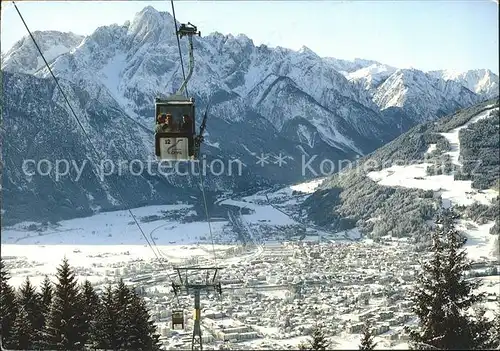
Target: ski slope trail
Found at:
453, 192
453, 136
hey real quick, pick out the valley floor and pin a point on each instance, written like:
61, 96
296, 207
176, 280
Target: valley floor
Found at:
275, 287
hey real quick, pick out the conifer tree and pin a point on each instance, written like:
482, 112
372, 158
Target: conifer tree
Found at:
495, 331
443, 295
142, 333
123, 322
31, 301
90, 307
318, 340
106, 323
22, 331
123, 305
45, 300
30, 304
367, 342
46, 294
64, 320
8, 307
428, 298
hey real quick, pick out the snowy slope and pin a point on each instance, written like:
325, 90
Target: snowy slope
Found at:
452, 192
397, 189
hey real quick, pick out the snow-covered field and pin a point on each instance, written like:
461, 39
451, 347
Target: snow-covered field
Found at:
114, 228
113, 238
453, 192
263, 213
285, 195
308, 187
35, 261
481, 244
107, 246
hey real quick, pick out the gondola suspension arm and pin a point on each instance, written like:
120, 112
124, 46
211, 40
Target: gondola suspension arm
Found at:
188, 30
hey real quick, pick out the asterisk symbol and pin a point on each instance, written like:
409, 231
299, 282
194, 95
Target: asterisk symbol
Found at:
262, 159
280, 160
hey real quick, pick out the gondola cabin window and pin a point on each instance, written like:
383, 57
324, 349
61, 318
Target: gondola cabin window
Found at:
177, 118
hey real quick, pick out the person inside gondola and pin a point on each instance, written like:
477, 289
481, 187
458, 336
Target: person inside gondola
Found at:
165, 123
170, 125
160, 122
187, 124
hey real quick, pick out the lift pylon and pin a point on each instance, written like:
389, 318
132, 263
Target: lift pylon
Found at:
194, 280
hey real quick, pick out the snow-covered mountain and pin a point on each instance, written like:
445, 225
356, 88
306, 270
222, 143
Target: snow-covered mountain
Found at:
138, 60
370, 74
24, 57
370, 77
346, 66
422, 96
480, 81
263, 100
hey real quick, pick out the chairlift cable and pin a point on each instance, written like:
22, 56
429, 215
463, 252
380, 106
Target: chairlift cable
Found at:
81, 126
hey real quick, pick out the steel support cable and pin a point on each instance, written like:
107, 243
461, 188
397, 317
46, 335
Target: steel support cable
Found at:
206, 212
81, 126
179, 45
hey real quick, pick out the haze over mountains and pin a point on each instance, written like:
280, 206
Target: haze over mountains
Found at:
272, 101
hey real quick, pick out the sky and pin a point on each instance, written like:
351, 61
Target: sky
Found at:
426, 34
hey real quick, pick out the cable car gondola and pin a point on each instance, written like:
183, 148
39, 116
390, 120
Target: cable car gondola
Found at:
177, 319
175, 136
175, 128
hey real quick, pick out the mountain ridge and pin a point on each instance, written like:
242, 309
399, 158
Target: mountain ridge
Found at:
146, 17
263, 100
